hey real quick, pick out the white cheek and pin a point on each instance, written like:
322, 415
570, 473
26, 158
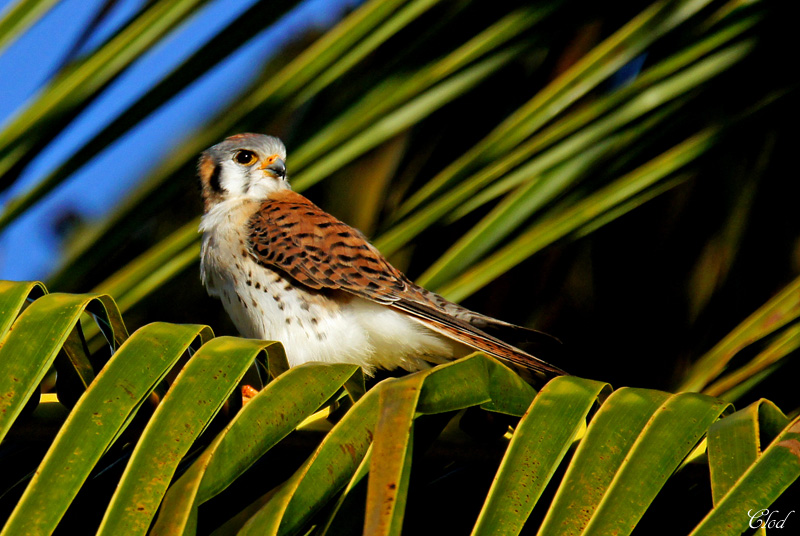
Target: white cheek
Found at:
233, 179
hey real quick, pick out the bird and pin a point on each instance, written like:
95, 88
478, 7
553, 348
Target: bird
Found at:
286, 270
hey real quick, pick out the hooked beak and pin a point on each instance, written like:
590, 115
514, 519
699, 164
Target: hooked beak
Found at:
276, 167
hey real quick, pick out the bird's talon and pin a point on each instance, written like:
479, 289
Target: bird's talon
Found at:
248, 392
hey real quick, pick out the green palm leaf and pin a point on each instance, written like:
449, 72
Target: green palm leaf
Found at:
631, 446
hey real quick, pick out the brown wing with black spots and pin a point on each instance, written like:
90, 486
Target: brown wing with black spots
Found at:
291, 234
319, 251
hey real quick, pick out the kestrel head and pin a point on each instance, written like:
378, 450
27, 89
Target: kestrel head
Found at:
245, 166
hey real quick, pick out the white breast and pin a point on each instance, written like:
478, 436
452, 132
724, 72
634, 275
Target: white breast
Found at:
313, 326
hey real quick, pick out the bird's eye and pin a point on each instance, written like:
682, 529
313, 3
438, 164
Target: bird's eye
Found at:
245, 158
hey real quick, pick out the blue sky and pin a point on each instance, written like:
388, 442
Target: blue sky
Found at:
29, 248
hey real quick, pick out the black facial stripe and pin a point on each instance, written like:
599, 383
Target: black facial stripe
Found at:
213, 181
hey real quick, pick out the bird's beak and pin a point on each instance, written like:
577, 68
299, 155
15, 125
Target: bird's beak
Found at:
275, 166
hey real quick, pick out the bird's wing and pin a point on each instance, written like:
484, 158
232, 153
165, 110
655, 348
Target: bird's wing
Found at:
291, 234
295, 236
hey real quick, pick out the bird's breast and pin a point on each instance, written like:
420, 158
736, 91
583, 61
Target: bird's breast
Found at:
267, 304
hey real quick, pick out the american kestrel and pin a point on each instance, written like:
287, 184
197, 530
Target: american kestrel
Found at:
286, 270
